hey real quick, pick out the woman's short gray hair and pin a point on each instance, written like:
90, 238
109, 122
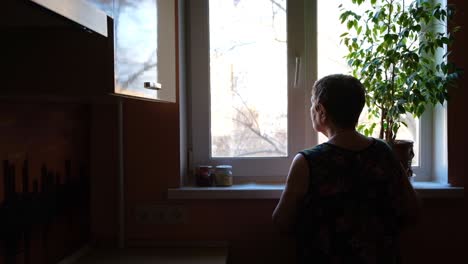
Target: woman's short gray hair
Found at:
343, 98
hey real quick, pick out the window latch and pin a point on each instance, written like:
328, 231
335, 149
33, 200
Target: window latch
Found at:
296, 73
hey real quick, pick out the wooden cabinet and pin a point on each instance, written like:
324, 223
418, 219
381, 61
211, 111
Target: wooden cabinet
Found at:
46, 55
144, 47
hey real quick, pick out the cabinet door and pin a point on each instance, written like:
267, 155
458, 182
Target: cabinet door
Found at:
46, 54
144, 46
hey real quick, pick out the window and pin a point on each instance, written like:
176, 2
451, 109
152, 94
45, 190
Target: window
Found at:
251, 67
330, 60
249, 100
243, 123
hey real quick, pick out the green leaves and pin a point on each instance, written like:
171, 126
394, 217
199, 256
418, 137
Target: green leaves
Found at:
392, 51
390, 38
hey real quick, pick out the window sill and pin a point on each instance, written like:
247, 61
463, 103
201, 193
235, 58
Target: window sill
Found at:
273, 191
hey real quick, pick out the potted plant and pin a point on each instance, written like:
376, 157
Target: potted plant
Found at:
398, 49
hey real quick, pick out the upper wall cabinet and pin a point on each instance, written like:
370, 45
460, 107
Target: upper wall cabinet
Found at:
72, 50
55, 50
144, 47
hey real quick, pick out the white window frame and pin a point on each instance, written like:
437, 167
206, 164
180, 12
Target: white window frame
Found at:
423, 171
264, 168
432, 166
300, 131
432, 143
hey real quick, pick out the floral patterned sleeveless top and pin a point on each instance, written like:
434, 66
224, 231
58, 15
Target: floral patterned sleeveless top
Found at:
350, 213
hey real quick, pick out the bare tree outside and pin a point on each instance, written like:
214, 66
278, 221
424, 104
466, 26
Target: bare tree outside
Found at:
248, 60
247, 65
248, 57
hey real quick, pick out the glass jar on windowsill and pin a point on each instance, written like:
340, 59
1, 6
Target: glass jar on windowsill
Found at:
223, 175
203, 175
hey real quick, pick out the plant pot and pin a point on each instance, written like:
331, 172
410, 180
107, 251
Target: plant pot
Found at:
403, 150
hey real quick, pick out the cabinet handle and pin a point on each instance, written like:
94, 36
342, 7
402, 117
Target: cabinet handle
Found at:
152, 85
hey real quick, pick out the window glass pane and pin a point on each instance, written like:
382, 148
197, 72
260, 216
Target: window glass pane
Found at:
330, 60
135, 46
248, 78
105, 5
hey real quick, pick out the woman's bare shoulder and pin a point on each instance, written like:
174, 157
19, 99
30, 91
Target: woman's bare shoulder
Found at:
298, 177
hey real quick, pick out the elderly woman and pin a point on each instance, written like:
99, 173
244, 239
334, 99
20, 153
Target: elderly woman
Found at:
345, 200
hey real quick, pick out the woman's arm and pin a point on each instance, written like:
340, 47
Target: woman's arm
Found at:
297, 183
410, 202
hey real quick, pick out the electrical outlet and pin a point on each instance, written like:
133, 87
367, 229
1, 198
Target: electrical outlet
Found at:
161, 214
176, 215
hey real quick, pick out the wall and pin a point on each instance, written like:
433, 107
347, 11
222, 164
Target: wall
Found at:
44, 205
457, 108
50, 70
151, 134
104, 173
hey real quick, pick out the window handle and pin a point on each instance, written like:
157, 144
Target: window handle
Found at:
152, 85
296, 73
